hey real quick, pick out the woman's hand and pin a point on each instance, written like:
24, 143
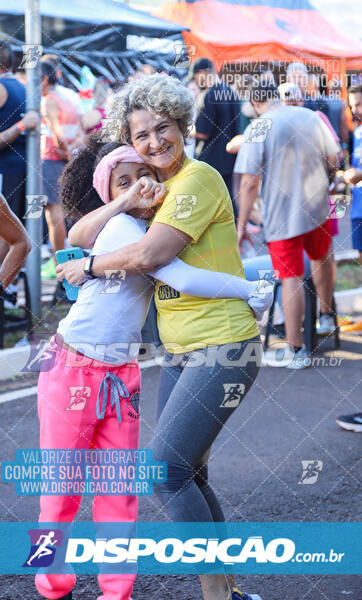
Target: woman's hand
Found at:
235, 144
261, 298
243, 235
31, 120
353, 176
72, 271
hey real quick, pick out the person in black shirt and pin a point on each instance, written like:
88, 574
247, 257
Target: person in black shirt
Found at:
14, 120
217, 120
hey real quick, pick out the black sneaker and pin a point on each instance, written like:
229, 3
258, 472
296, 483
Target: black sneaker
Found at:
351, 422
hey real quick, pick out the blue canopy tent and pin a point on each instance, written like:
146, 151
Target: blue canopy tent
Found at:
98, 12
93, 33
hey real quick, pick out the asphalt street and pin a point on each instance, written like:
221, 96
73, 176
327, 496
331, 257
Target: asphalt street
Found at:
255, 467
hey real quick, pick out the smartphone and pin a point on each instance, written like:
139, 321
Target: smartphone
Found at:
63, 256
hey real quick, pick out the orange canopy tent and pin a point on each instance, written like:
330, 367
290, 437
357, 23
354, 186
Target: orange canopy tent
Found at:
229, 31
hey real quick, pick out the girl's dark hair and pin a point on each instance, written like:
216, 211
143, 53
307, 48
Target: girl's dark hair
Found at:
76, 182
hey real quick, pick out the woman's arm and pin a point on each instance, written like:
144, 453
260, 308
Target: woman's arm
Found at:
202, 282
30, 121
177, 274
14, 234
213, 284
51, 117
170, 232
141, 195
166, 242
157, 248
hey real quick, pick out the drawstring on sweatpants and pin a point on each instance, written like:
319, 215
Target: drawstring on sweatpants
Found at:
117, 388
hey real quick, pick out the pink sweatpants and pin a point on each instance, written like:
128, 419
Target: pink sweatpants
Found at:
67, 411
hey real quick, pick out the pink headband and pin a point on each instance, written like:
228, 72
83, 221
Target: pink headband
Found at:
102, 173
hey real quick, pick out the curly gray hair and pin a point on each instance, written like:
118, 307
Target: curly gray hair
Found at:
159, 94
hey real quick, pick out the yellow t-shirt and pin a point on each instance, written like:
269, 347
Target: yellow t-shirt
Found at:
198, 203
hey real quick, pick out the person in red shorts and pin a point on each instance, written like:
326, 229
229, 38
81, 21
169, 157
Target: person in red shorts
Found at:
294, 154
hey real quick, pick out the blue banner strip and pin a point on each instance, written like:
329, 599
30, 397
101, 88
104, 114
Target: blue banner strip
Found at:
181, 548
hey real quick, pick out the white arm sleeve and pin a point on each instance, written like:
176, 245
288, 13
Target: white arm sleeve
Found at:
124, 229
203, 283
212, 284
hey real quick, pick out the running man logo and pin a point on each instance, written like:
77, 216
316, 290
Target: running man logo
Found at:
109, 130
258, 130
183, 55
233, 395
34, 206
113, 281
43, 547
311, 470
78, 397
270, 275
266, 281
165, 292
41, 357
184, 206
31, 55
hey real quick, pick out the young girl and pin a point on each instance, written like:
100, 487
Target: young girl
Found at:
96, 348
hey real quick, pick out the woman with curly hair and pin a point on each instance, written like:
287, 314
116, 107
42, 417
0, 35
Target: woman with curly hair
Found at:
213, 346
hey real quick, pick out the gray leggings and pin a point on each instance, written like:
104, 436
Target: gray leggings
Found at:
199, 391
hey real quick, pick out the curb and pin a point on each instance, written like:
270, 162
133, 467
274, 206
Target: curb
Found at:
349, 301
12, 360
346, 256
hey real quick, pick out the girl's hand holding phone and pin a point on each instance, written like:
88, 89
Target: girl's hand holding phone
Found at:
72, 271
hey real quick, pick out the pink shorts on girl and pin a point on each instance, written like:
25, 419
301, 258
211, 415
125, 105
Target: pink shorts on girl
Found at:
67, 405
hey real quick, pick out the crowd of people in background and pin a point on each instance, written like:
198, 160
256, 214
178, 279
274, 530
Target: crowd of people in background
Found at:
278, 178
